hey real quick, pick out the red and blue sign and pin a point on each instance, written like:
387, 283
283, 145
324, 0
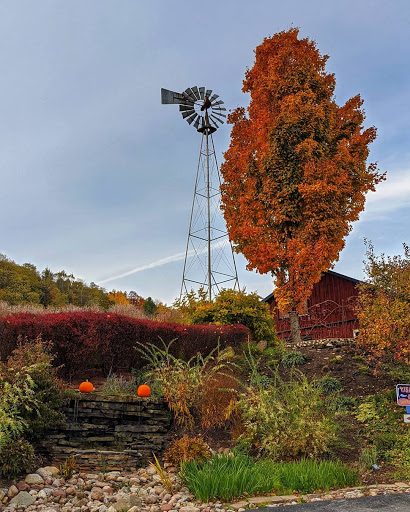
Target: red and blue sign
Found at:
403, 396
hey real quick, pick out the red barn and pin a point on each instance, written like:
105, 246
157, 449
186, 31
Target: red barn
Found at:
330, 310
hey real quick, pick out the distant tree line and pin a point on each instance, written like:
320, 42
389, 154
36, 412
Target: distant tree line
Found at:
24, 284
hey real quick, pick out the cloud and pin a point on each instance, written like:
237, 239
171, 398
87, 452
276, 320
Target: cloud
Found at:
390, 195
163, 261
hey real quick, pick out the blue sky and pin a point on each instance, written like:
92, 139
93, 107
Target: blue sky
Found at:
97, 177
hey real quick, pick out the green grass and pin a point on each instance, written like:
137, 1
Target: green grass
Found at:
227, 477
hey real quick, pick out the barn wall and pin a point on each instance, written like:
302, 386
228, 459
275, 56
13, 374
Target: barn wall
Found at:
330, 310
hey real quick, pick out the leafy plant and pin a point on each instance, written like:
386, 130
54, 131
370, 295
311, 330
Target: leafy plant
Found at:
183, 382
230, 307
384, 305
16, 456
287, 419
293, 358
186, 449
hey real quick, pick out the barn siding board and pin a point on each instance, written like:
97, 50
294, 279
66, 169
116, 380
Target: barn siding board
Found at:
330, 309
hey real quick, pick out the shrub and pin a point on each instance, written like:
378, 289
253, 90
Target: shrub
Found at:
384, 305
344, 403
231, 476
187, 449
102, 340
230, 307
184, 383
30, 399
288, 419
329, 384
16, 456
293, 358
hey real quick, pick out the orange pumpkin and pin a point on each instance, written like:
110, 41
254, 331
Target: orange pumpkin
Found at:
86, 387
144, 390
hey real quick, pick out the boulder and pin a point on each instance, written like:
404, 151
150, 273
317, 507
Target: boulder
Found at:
34, 479
23, 499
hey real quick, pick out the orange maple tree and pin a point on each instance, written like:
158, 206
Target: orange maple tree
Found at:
295, 174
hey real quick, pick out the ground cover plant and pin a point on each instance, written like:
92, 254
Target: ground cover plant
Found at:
230, 476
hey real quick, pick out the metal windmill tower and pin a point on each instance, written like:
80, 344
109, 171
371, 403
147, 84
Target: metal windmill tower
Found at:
209, 259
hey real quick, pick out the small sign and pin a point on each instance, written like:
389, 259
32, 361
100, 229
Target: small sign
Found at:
403, 394
407, 418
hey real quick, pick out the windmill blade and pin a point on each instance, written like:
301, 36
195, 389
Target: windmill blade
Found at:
190, 94
186, 107
213, 97
188, 113
220, 102
202, 92
216, 112
196, 92
216, 119
220, 108
208, 92
190, 120
213, 122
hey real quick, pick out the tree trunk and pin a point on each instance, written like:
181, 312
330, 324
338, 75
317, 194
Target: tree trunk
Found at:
294, 327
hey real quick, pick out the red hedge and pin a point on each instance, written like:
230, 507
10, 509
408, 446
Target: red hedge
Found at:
101, 340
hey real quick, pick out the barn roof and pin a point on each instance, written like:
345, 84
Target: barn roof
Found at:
352, 279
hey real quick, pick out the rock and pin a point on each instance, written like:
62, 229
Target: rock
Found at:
158, 489
59, 492
52, 470
34, 479
70, 490
151, 499
127, 502
22, 499
97, 494
102, 508
191, 509
165, 507
134, 509
22, 486
107, 489
111, 509
13, 491
150, 471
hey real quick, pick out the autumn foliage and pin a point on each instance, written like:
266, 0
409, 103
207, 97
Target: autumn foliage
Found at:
104, 341
384, 305
295, 174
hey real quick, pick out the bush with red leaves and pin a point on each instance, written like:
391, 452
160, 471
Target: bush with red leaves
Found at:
106, 341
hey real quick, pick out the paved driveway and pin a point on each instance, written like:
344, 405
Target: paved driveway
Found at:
385, 503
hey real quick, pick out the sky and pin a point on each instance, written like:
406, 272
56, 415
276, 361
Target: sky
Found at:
97, 176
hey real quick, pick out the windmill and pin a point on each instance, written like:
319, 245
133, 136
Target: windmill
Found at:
209, 259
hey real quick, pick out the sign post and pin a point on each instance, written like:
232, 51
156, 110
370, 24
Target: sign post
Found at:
403, 399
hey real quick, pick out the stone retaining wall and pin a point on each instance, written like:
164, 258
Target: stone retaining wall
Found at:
109, 433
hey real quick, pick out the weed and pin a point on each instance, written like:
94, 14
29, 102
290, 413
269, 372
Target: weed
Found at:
163, 475
336, 360
368, 457
67, 467
118, 385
